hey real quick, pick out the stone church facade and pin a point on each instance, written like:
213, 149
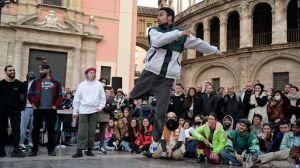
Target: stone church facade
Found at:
260, 38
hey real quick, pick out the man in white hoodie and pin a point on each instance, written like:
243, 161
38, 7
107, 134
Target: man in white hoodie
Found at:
162, 65
88, 101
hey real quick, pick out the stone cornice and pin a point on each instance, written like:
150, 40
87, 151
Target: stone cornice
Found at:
238, 52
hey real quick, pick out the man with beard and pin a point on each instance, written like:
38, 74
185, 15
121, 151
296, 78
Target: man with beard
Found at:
45, 95
244, 96
12, 98
172, 141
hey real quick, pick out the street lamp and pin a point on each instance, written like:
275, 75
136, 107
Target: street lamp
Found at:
6, 2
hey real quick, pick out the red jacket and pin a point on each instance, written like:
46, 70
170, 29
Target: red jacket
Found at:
34, 94
146, 139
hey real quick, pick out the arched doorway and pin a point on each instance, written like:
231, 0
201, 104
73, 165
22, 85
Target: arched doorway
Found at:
215, 32
233, 31
262, 24
200, 35
293, 22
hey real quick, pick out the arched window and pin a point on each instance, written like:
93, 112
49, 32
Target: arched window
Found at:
233, 31
262, 24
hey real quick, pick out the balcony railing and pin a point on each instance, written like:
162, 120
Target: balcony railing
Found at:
260, 39
293, 35
53, 2
233, 44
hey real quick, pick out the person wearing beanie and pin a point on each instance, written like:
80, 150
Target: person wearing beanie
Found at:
241, 143
89, 100
172, 140
289, 150
45, 96
162, 65
258, 103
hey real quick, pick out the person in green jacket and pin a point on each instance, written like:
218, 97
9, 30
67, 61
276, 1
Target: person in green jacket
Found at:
240, 143
212, 139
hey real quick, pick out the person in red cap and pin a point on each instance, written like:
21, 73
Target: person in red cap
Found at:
45, 95
89, 100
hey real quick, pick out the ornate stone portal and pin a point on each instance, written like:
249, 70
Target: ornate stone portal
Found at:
51, 21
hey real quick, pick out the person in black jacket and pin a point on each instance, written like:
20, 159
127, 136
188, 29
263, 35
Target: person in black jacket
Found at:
245, 95
176, 101
192, 105
231, 104
210, 101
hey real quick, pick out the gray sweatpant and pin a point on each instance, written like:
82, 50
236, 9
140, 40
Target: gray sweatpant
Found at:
86, 130
160, 87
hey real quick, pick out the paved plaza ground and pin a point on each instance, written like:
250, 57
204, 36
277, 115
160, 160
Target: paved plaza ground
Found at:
111, 160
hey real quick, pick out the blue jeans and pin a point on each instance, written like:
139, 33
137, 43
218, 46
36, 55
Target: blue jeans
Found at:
228, 157
26, 121
126, 147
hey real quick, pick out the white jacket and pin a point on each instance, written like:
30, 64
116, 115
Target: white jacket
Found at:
156, 55
89, 98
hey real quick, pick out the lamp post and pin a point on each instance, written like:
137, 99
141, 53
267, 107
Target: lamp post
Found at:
6, 2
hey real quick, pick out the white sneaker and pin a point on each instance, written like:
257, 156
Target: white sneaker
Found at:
153, 147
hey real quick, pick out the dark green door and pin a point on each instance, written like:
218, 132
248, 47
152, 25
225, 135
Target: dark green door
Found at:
56, 60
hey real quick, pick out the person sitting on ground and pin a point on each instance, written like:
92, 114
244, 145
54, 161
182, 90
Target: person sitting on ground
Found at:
257, 124
212, 139
172, 141
181, 121
284, 127
190, 142
109, 131
265, 138
130, 137
144, 137
199, 120
228, 124
119, 135
240, 144
288, 155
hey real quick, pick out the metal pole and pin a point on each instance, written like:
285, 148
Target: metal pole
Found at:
0, 13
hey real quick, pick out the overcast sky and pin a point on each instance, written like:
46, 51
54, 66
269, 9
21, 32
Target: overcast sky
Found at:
150, 3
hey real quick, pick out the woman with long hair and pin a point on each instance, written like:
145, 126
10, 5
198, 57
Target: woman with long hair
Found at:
130, 137
144, 138
192, 104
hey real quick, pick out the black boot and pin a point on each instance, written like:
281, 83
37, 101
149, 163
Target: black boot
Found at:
77, 154
89, 153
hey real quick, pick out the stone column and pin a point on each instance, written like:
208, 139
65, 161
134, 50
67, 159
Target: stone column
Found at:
246, 24
180, 6
18, 59
223, 33
206, 31
77, 74
190, 3
279, 23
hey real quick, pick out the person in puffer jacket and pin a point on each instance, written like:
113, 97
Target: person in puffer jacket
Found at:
144, 138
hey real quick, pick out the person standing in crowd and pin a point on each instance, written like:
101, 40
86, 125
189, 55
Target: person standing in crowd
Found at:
240, 143
45, 95
27, 117
258, 102
192, 105
103, 81
287, 89
162, 66
279, 108
210, 100
103, 119
120, 99
12, 98
89, 100
68, 102
231, 104
245, 99
199, 90
177, 100
144, 111
212, 139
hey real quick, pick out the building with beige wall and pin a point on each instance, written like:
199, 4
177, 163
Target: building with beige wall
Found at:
71, 35
260, 38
